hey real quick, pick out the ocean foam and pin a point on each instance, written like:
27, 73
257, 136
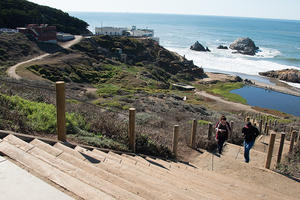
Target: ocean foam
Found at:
268, 53
224, 60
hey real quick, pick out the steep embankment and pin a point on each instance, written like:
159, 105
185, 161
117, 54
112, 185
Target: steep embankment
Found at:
17, 13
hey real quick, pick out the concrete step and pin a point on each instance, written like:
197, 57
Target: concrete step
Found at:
18, 183
94, 170
60, 178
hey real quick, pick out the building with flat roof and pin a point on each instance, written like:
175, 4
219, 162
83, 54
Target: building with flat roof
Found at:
121, 31
112, 31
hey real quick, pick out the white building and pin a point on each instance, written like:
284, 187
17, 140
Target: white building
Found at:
142, 32
8, 30
133, 32
113, 31
64, 37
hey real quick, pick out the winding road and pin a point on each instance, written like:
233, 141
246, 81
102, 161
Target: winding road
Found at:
11, 72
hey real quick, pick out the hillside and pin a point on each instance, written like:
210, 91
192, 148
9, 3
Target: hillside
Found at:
17, 13
17, 47
99, 60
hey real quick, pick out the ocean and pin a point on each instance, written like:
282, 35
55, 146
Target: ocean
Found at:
278, 40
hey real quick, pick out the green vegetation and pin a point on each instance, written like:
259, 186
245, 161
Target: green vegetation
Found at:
223, 89
17, 13
108, 89
203, 122
286, 120
98, 140
145, 145
41, 116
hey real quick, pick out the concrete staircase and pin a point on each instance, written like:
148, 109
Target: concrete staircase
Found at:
89, 173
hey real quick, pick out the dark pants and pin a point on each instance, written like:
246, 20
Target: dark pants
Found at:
247, 147
220, 144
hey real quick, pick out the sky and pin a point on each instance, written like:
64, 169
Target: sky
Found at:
276, 9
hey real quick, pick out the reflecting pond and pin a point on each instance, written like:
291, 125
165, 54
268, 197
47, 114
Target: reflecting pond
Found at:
270, 99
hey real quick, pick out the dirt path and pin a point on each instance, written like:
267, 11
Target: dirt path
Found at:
227, 104
68, 44
11, 72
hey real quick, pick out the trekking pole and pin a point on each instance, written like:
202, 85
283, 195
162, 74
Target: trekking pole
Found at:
238, 153
212, 162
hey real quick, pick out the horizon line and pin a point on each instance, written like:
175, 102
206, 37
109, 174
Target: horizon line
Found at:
186, 14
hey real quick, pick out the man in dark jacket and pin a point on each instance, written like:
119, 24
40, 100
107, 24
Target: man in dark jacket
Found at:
250, 133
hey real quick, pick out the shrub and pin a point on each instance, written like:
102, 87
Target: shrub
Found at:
41, 116
145, 145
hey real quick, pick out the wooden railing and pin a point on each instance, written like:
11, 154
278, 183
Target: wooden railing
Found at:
264, 127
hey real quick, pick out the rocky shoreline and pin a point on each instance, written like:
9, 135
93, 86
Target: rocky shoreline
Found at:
289, 75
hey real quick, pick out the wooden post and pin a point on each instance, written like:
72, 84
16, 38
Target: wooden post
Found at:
260, 126
280, 148
61, 111
275, 123
248, 119
298, 140
193, 133
131, 129
231, 126
291, 129
175, 139
209, 131
293, 137
245, 116
270, 151
266, 126
270, 124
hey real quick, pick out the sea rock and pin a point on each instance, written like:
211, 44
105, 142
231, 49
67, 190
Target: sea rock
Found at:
244, 46
222, 47
290, 75
198, 47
